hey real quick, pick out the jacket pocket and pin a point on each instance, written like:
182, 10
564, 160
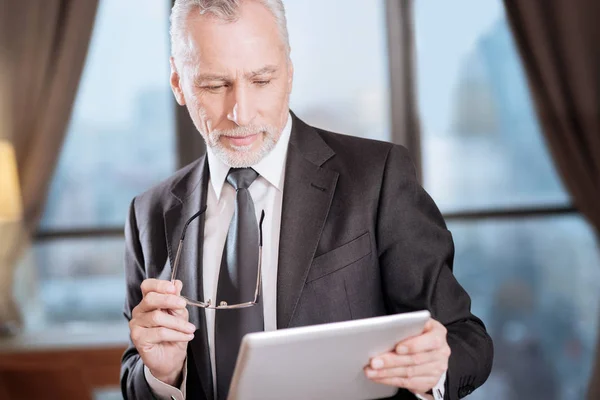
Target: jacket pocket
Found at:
340, 257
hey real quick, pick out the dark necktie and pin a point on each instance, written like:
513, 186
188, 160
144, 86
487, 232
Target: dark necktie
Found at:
237, 281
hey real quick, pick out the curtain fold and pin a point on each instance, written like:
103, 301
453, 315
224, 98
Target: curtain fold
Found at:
43, 46
558, 43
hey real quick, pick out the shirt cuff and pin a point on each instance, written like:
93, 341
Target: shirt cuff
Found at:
438, 390
161, 390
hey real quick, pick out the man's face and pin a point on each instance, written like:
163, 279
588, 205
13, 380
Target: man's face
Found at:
235, 82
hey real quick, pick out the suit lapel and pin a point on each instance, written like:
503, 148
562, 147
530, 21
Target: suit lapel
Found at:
307, 196
189, 197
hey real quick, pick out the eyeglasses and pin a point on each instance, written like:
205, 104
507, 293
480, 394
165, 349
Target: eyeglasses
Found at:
223, 304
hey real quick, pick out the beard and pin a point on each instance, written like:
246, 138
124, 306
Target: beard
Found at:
243, 156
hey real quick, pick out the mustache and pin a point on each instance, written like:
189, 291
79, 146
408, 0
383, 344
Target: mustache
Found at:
242, 131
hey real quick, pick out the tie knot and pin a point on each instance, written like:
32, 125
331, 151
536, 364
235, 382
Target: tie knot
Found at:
241, 178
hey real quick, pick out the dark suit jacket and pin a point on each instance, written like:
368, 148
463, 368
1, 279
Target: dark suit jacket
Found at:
359, 238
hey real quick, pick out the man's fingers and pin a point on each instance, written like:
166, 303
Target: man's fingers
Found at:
178, 287
155, 301
416, 363
157, 285
183, 312
431, 324
431, 340
157, 319
162, 334
179, 312
432, 369
392, 360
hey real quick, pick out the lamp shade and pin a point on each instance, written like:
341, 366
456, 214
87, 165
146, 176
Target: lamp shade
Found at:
10, 195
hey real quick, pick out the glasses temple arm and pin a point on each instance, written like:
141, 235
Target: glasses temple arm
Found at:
180, 245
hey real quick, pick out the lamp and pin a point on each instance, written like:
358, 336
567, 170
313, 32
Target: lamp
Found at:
12, 237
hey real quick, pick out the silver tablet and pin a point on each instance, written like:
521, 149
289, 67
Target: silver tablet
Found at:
319, 361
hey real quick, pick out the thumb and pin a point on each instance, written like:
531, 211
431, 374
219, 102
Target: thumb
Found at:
429, 325
178, 287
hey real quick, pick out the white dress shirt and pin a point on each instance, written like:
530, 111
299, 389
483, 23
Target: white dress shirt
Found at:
267, 194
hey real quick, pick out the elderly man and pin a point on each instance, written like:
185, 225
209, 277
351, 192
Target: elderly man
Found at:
345, 230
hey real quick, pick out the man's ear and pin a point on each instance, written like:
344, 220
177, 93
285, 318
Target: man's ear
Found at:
176, 83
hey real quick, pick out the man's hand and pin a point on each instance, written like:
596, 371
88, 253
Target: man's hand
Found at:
160, 329
416, 364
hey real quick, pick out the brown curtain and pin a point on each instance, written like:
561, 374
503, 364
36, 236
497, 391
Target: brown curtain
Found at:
43, 46
559, 42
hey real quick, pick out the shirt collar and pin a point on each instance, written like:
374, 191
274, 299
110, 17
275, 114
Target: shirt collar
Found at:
271, 167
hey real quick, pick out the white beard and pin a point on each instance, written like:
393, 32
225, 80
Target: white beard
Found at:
243, 156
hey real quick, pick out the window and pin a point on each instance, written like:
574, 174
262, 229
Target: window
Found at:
121, 137
340, 66
120, 141
477, 114
528, 260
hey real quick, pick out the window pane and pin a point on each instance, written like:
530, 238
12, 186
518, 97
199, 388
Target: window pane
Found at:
74, 281
536, 285
340, 65
121, 137
482, 145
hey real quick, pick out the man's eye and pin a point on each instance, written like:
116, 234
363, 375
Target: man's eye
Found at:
262, 83
214, 87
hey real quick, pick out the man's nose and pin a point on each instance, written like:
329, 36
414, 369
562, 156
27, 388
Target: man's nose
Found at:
243, 111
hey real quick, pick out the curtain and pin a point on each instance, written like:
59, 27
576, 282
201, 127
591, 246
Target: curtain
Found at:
43, 46
558, 43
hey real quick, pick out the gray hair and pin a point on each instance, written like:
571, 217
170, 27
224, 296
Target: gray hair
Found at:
226, 10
